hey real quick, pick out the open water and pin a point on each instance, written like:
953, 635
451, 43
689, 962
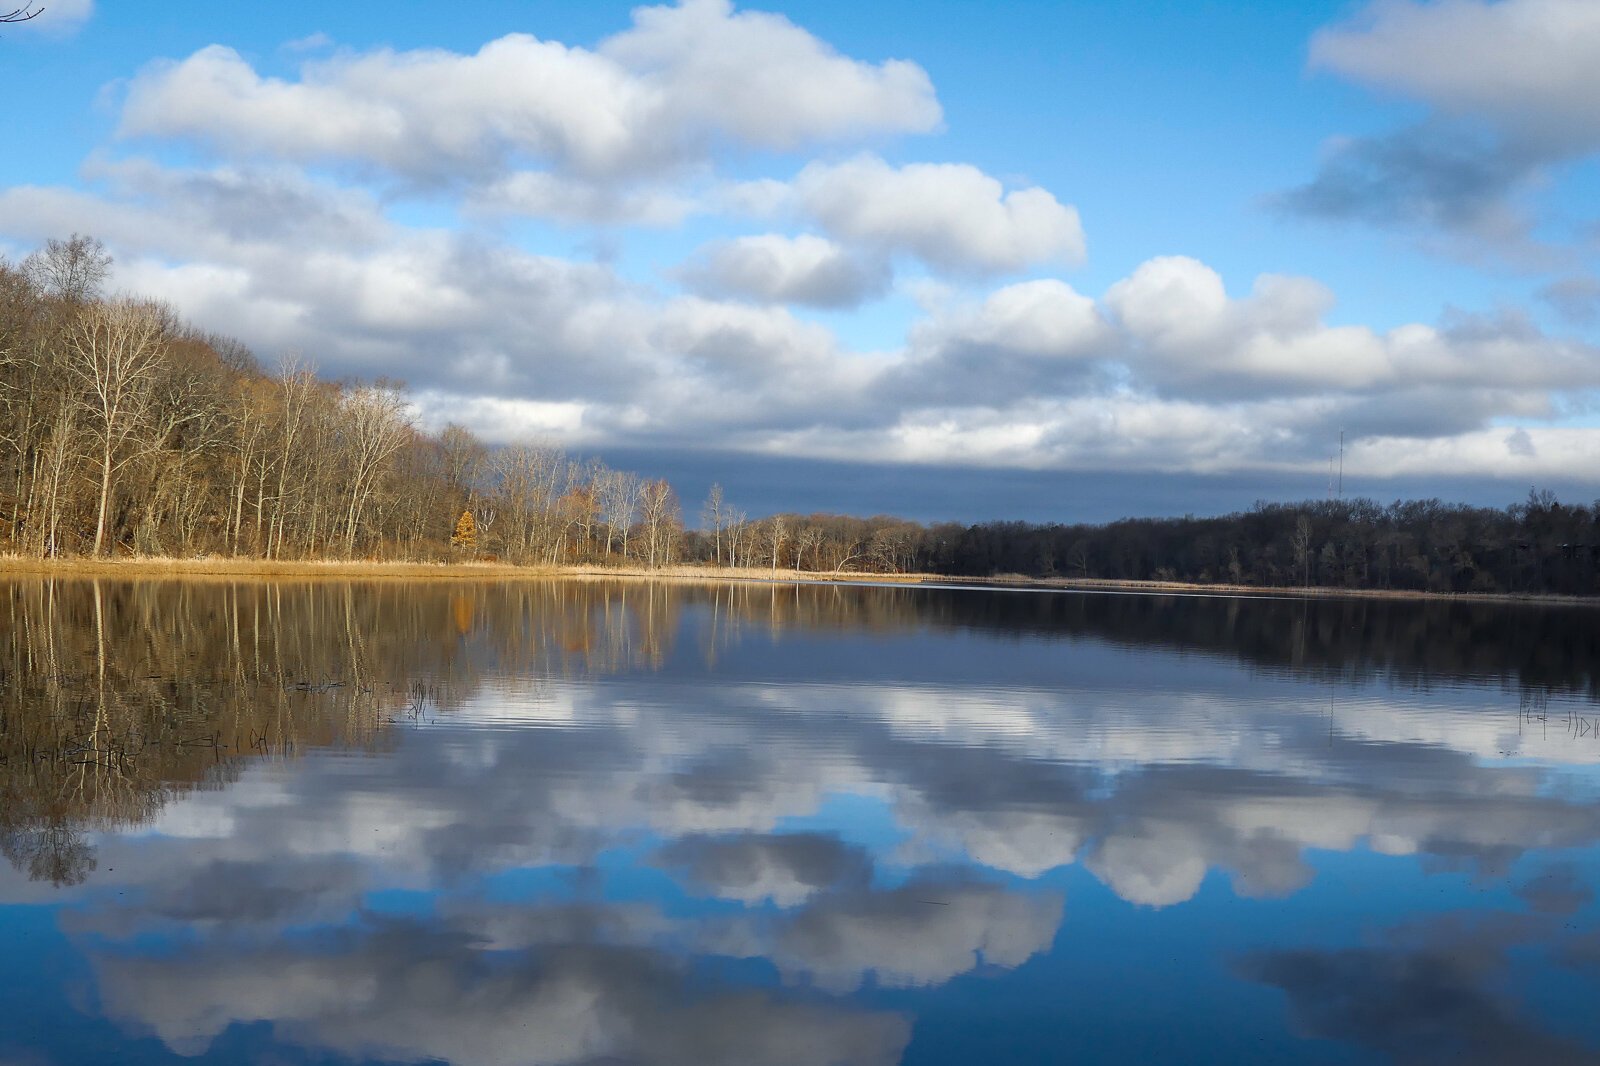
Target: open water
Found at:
769, 825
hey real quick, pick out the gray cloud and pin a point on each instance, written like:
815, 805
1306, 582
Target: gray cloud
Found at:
1523, 67
774, 269
1426, 175
952, 216
987, 776
406, 992
1439, 996
1509, 86
1557, 890
1576, 299
922, 933
1166, 371
786, 868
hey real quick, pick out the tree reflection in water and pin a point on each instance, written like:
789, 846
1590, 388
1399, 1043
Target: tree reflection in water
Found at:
621, 804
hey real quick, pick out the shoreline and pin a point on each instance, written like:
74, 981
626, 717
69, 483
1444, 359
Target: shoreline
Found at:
165, 568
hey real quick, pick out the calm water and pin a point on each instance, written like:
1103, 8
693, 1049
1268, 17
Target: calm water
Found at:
779, 826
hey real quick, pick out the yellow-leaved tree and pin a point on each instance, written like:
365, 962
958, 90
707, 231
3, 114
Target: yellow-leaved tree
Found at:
466, 535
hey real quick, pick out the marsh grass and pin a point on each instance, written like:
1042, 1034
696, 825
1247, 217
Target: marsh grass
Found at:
137, 567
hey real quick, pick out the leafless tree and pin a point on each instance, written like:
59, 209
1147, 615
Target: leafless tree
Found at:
712, 514
294, 388
71, 270
810, 539
658, 508
777, 535
465, 461
619, 501
739, 533
378, 425
115, 355
22, 14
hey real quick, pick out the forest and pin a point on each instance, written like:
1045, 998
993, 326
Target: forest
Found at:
126, 431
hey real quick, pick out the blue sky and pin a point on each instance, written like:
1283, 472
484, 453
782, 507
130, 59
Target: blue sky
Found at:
1183, 243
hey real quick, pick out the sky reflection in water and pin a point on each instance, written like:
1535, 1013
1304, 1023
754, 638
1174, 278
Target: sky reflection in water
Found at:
767, 825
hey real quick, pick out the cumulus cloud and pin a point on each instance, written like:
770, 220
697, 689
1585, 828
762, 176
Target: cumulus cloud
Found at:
920, 934
661, 93
1576, 299
785, 868
1527, 67
1431, 175
953, 216
794, 270
1166, 370
413, 993
1435, 994
1189, 334
1029, 339
545, 195
1509, 85
57, 18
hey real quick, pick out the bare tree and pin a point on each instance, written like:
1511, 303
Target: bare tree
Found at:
712, 514
777, 537
295, 387
531, 480
56, 462
115, 354
249, 440
465, 460
809, 540
22, 14
378, 425
72, 270
658, 507
737, 528
619, 499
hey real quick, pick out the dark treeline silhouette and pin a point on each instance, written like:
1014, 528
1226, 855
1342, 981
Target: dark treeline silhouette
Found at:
125, 431
1540, 545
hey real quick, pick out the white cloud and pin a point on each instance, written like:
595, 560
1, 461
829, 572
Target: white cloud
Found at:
785, 868
1044, 319
541, 194
777, 269
762, 80
1167, 371
55, 18
1526, 66
661, 93
1188, 335
952, 216
1025, 340
389, 995
921, 934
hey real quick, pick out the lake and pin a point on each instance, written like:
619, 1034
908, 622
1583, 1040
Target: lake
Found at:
777, 825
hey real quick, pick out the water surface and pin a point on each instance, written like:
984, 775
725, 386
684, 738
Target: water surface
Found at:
604, 823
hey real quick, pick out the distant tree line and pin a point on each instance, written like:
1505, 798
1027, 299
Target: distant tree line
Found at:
124, 430
1540, 545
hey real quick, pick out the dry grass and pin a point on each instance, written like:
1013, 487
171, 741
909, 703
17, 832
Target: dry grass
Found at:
342, 569
223, 568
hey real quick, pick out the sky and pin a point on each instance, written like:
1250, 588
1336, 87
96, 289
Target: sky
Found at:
1064, 260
